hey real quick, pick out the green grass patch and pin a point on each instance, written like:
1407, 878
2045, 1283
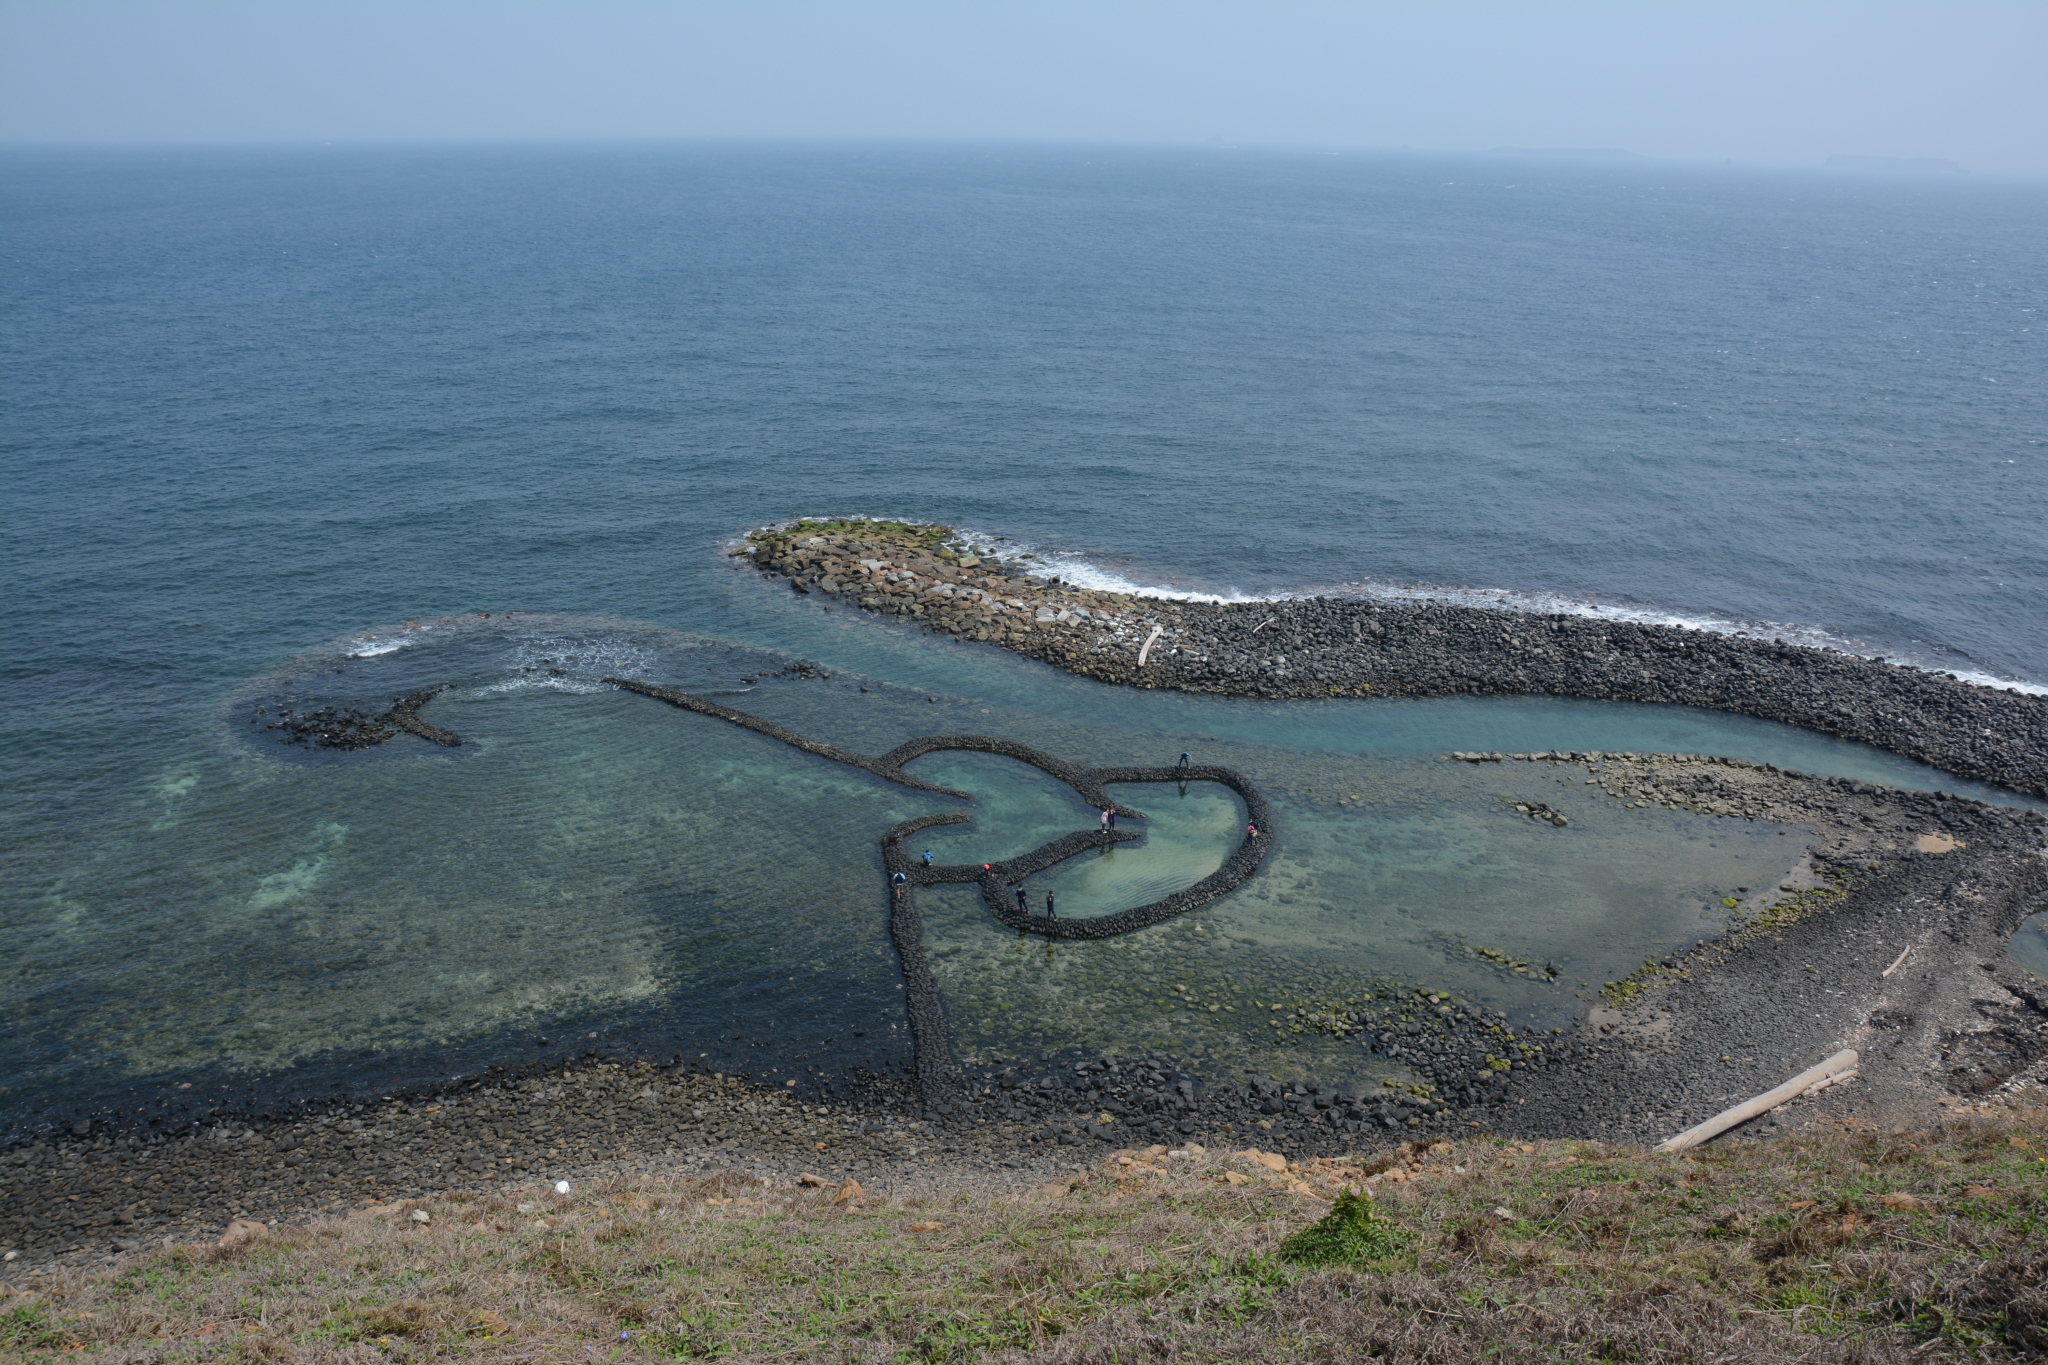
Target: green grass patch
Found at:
1834, 1247
1348, 1234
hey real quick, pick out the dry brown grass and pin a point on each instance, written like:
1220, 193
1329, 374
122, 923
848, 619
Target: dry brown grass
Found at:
1551, 1252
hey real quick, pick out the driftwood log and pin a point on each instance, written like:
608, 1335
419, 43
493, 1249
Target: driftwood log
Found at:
1827, 1073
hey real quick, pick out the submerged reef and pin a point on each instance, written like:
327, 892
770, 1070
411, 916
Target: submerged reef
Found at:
1888, 939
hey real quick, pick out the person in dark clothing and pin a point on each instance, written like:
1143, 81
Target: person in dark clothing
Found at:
1183, 764
897, 883
1023, 906
1050, 913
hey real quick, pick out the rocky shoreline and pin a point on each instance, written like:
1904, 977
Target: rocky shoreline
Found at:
1933, 883
1890, 940
1814, 964
1337, 647
1896, 872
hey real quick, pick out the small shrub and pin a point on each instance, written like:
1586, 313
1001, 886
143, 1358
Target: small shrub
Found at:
1350, 1231
1816, 1234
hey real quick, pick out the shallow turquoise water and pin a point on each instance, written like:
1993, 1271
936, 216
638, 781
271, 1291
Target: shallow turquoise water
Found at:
1429, 725
259, 398
594, 869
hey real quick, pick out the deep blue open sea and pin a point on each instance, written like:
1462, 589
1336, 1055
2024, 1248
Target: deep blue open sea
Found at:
263, 406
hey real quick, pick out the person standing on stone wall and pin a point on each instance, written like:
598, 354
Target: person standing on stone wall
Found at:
1023, 906
1050, 913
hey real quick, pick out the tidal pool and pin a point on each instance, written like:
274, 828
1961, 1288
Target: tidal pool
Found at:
2030, 945
1388, 872
592, 869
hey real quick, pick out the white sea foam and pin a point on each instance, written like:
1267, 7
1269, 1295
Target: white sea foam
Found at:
566, 663
1813, 637
1085, 573
369, 647
536, 683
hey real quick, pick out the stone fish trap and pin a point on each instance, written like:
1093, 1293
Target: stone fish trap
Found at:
936, 1072
930, 1040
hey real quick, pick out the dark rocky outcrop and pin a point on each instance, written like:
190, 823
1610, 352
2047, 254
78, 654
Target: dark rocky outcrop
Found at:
404, 714
1344, 647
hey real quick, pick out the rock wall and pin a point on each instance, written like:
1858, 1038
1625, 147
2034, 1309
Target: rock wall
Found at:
937, 1074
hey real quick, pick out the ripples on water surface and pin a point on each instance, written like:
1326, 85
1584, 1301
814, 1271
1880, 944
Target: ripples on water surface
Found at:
257, 399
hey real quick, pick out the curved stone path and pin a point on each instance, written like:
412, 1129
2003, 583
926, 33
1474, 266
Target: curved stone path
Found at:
930, 1041
936, 1073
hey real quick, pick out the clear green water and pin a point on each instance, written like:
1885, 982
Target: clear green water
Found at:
1424, 862
594, 869
2030, 945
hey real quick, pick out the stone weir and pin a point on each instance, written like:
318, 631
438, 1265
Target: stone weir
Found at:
405, 714
1343, 647
937, 1074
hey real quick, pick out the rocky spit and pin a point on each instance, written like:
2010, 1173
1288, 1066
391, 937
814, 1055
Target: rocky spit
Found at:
1942, 880
1342, 647
1890, 938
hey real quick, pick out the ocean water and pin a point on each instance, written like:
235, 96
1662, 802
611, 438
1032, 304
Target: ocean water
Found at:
264, 408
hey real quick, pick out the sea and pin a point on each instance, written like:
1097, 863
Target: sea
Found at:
299, 427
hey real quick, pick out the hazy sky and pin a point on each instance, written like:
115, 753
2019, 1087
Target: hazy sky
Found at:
1781, 82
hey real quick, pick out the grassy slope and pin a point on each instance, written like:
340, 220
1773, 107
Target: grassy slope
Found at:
1560, 1251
